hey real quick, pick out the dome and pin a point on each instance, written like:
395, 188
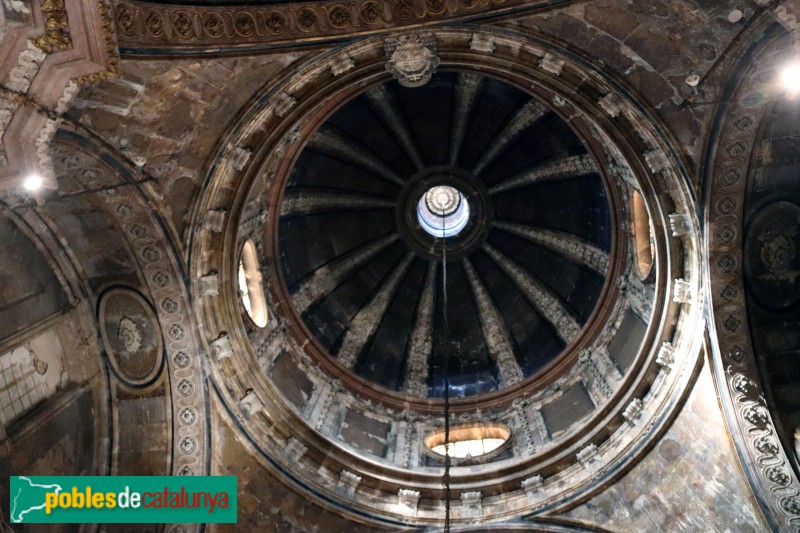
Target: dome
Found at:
557, 333
527, 236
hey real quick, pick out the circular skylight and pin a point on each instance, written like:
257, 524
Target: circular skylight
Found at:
443, 211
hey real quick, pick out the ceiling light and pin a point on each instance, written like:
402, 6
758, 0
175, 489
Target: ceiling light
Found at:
33, 182
790, 79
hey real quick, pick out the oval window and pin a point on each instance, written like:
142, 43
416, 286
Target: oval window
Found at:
468, 441
251, 289
642, 231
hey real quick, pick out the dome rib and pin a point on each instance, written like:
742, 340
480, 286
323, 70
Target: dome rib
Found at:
522, 120
332, 142
544, 300
385, 105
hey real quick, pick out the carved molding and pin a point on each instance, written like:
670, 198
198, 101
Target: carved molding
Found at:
144, 26
735, 366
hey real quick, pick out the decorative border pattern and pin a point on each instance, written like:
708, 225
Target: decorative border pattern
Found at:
736, 370
152, 25
161, 273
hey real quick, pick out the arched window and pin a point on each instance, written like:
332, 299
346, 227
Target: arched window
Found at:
642, 230
468, 441
251, 289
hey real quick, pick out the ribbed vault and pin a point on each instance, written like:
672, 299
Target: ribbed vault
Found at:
523, 276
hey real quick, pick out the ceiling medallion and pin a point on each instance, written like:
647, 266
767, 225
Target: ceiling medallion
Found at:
330, 294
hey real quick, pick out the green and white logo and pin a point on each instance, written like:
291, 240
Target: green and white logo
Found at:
122, 499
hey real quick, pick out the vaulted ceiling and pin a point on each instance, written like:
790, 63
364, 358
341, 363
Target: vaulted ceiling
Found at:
584, 136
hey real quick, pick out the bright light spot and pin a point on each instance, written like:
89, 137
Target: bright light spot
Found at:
443, 211
468, 441
33, 182
468, 448
790, 79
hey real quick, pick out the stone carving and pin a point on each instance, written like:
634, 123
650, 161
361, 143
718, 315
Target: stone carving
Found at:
239, 157
409, 500
340, 64
472, 504
482, 42
534, 488
221, 347
56, 36
348, 483
215, 220
551, 63
589, 458
777, 253
209, 285
681, 224
611, 104
295, 449
28, 63
682, 292
129, 335
666, 354
633, 411
656, 160
412, 58
250, 404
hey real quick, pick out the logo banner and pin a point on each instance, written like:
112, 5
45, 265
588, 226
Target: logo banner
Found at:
122, 499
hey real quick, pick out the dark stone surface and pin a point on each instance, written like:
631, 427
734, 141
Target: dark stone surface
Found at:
689, 482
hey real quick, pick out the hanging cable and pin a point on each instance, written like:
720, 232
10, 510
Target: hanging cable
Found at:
445, 325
